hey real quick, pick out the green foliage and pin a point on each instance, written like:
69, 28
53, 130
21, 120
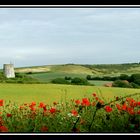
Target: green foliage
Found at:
79, 81
60, 81
121, 83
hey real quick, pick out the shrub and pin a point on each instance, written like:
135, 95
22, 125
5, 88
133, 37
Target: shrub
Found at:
121, 83
67, 78
60, 81
79, 81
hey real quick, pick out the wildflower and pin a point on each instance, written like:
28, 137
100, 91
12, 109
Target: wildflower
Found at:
32, 108
138, 103
44, 129
44, 108
96, 98
130, 110
77, 102
1, 102
9, 115
108, 109
74, 112
52, 110
33, 103
3, 129
124, 107
118, 106
138, 112
94, 94
41, 105
85, 102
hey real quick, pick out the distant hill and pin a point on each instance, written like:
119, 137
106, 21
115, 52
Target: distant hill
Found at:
100, 69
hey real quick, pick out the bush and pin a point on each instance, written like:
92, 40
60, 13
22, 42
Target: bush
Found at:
120, 83
67, 78
60, 81
79, 81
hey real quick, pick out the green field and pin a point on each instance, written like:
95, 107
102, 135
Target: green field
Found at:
48, 93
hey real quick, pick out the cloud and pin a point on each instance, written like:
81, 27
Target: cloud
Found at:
34, 36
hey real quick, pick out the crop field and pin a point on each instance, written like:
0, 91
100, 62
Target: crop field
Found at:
48, 93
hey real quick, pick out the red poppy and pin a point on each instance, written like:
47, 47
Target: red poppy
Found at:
77, 102
41, 105
3, 129
9, 115
131, 111
85, 102
118, 106
44, 108
94, 94
138, 112
52, 110
96, 98
138, 103
32, 108
108, 109
44, 129
74, 112
1, 102
124, 107
33, 103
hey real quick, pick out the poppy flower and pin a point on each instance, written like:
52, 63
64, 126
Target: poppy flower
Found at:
41, 105
124, 107
138, 103
74, 112
1, 102
44, 129
33, 103
96, 98
94, 94
108, 109
77, 102
138, 112
118, 106
3, 129
52, 110
9, 115
85, 102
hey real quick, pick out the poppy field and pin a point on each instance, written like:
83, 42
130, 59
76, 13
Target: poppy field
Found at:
86, 115
87, 111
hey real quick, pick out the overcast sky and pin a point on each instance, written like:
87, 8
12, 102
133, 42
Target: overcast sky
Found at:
44, 36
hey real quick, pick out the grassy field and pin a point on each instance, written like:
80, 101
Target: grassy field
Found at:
95, 70
48, 93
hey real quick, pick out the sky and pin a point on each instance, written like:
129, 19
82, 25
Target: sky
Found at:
46, 36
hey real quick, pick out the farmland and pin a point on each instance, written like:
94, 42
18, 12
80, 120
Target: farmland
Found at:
50, 92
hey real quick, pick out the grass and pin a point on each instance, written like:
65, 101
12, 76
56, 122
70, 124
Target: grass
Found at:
48, 93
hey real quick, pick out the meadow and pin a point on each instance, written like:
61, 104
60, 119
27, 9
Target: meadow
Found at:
49, 93
46, 107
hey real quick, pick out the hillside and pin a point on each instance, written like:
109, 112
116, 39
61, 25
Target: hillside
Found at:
101, 69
